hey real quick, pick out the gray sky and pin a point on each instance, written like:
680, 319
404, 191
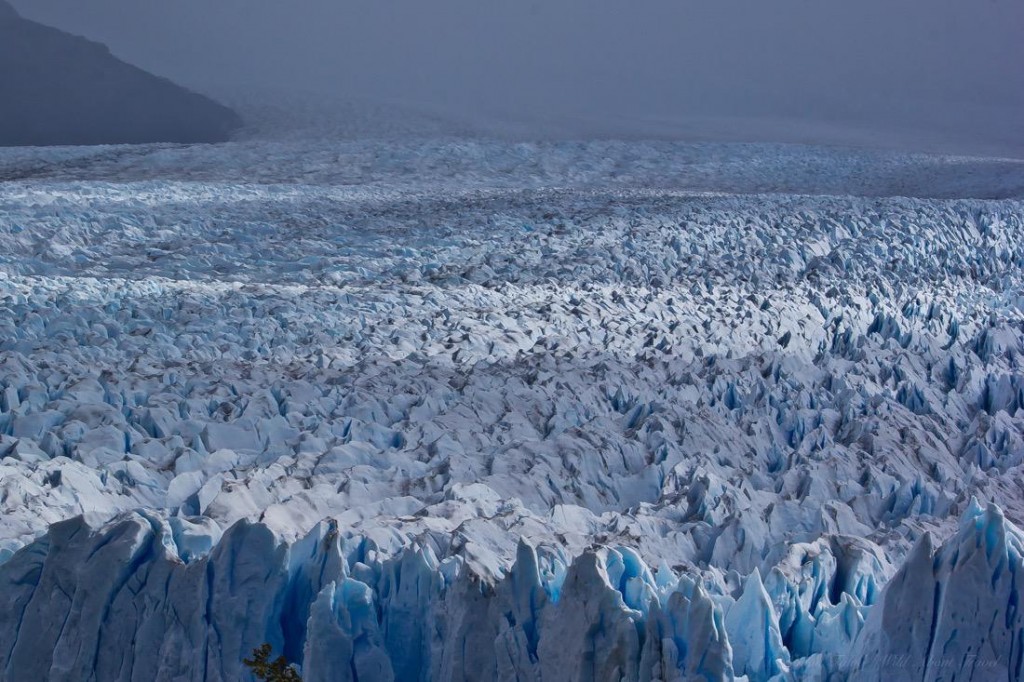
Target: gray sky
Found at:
936, 69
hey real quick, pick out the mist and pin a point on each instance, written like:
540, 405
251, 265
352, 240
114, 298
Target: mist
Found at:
936, 73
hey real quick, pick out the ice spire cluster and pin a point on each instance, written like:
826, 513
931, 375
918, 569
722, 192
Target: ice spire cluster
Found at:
97, 598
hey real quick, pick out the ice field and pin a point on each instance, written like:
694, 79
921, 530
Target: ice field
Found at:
454, 408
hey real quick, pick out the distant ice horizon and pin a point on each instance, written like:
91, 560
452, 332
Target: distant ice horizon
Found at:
942, 76
289, 112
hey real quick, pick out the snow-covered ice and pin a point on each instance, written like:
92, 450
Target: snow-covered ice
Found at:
472, 409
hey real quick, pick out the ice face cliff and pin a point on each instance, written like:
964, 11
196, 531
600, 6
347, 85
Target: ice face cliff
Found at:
120, 603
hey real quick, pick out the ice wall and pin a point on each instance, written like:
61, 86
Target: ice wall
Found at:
120, 602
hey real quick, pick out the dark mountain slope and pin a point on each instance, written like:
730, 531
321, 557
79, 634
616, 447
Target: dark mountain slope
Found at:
57, 88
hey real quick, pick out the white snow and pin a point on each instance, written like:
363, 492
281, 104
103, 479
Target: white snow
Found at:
476, 409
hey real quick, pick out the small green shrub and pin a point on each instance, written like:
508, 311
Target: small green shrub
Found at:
278, 670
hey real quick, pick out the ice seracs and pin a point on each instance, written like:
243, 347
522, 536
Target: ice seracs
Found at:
953, 613
345, 610
414, 409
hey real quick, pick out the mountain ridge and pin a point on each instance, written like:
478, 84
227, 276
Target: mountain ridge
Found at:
62, 89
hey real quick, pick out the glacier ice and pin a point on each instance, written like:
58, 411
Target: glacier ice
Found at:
953, 613
122, 600
463, 409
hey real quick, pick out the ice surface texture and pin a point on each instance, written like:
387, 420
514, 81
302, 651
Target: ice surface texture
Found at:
466, 409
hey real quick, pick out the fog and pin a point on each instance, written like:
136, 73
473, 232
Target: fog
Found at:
926, 73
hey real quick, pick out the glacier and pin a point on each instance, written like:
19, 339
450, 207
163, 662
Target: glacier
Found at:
460, 408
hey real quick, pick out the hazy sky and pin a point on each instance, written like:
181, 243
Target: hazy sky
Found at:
951, 67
